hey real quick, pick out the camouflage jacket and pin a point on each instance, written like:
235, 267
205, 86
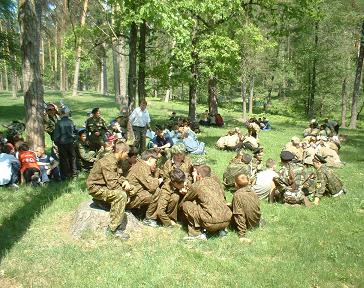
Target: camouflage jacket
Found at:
214, 209
85, 156
50, 123
142, 178
169, 165
235, 167
327, 182
105, 173
96, 125
291, 178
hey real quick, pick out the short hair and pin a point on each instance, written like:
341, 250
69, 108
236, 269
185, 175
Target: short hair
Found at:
159, 127
241, 180
23, 147
270, 163
143, 102
133, 151
246, 158
95, 110
204, 171
41, 148
177, 176
121, 147
146, 155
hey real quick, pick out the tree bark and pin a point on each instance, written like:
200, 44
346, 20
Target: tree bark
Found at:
78, 52
132, 81
243, 96
115, 64
1, 81
343, 104
170, 73
251, 94
212, 93
29, 15
14, 84
6, 79
103, 75
359, 66
311, 100
142, 61
194, 76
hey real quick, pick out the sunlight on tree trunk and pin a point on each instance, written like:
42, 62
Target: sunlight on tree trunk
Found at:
212, 95
251, 94
132, 81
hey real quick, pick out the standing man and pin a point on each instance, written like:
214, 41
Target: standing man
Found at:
50, 119
96, 129
140, 121
106, 183
64, 138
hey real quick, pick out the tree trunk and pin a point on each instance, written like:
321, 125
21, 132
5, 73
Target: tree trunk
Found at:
1, 81
14, 84
251, 95
243, 96
115, 64
6, 79
359, 66
50, 58
42, 61
104, 89
194, 76
212, 93
132, 81
142, 61
170, 73
311, 100
344, 100
78, 52
29, 21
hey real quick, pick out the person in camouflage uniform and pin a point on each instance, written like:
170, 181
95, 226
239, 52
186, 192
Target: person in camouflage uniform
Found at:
130, 161
170, 193
179, 160
201, 207
85, 156
246, 207
50, 119
105, 183
96, 129
294, 146
257, 161
290, 182
240, 164
327, 182
146, 187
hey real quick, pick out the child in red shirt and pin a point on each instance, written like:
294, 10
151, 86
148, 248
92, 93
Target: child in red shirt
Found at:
29, 169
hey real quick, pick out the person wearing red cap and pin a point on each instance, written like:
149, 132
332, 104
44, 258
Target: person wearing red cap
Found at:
50, 119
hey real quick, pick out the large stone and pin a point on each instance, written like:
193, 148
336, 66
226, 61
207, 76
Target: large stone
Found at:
90, 219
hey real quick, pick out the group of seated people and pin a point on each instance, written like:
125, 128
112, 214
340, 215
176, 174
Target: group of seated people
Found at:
211, 119
180, 190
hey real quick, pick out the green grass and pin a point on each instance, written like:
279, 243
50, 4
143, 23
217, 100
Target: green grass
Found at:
299, 247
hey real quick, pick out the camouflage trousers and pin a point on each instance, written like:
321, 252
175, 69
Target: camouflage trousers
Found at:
167, 208
140, 138
296, 197
117, 198
198, 218
145, 199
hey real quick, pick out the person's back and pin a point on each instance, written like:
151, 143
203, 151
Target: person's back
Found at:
6, 169
235, 167
64, 131
264, 183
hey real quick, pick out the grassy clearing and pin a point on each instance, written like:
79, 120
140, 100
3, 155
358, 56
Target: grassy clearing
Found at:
316, 247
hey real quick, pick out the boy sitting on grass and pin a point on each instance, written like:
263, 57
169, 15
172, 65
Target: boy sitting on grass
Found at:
246, 208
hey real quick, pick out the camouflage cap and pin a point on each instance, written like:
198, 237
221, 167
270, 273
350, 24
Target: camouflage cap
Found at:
287, 156
199, 161
178, 149
295, 140
319, 158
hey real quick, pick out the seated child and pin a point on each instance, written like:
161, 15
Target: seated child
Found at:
29, 168
246, 208
48, 166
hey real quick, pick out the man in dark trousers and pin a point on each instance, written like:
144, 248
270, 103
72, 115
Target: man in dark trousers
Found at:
64, 138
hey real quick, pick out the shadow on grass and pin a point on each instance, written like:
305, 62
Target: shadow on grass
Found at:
14, 227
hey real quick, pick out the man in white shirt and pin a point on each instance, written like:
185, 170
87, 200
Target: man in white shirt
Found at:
9, 167
140, 120
264, 182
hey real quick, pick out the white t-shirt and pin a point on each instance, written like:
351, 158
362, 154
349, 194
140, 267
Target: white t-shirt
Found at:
5, 167
264, 183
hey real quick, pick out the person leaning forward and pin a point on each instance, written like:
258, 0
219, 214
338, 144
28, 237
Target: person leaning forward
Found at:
107, 184
201, 207
146, 186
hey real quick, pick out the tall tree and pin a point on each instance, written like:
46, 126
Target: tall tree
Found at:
76, 74
356, 91
142, 60
29, 15
132, 80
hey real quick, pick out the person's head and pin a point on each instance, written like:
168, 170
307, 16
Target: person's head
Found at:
52, 109
318, 161
246, 158
202, 172
8, 148
174, 114
39, 151
178, 152
159, 131
270, 164
23, 147
258, 154
295, 141
132, 155
143, 105
96, 112
115, 125
82, 135
241, 180
121, 150
150, 159
287, 157
178, 178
